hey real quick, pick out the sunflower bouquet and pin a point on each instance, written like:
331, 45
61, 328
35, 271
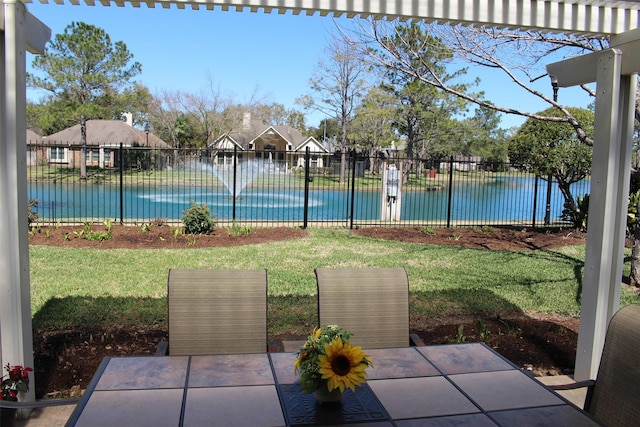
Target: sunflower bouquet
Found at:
327, 359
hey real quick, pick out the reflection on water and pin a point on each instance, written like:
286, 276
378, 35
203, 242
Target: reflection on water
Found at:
256, 199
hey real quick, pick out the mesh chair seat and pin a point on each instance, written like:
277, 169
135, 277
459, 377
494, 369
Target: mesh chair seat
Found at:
615, 400
217, 311
373, 303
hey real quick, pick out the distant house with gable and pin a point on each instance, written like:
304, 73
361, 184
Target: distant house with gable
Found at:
103, 142
35, 151
283, 145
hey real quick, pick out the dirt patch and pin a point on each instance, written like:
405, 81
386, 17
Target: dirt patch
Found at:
65, 361
156, 237
509, 239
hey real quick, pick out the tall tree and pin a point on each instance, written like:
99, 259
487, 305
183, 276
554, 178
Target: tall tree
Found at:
372, 129
276, 114
424, 112
340, 83
327, 130
484, 137
88, 73
165, 109
553, 149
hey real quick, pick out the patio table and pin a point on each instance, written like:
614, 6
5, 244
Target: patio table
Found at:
444, 385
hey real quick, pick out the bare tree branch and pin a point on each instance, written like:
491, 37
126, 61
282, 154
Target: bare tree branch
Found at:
506, 51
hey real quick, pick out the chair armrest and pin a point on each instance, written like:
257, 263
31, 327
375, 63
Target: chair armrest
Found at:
416, 340
578, 384
163, 348
573, 386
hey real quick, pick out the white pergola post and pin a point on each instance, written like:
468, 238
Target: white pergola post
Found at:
18, 30
613, 70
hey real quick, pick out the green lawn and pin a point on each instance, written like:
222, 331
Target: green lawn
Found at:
101, 288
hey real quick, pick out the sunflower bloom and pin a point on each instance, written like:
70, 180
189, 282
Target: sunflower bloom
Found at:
343, 365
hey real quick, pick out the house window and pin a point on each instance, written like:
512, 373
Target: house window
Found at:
225, 159
57, 154
92, 156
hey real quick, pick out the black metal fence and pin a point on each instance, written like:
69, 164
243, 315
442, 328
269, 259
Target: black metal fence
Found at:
138, 185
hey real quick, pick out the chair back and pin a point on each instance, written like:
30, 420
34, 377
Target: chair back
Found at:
616, 394
373, 303
217, 311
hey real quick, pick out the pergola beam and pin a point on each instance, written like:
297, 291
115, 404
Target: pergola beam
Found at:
568, 16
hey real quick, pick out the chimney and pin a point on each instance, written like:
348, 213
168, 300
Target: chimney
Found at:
127, 118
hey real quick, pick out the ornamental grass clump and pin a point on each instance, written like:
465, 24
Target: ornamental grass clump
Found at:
327, 359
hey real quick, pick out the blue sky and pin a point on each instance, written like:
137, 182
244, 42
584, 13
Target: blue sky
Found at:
243, 54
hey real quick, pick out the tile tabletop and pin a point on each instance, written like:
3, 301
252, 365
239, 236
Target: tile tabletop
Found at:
445, 385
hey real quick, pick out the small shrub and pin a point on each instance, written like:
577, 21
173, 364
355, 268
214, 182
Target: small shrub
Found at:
578, 215
176, 232
31, 215
197, 219
240, 230
483, 331
429, 230
98, 235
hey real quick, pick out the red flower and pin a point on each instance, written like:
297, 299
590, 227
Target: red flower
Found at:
16, 381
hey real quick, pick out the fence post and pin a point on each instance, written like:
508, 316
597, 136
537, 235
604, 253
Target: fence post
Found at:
535, 202
307, 157
450, 196
547, 212
233, 193
353, 187
121, 155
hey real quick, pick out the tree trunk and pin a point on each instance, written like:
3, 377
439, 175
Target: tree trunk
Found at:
343, 167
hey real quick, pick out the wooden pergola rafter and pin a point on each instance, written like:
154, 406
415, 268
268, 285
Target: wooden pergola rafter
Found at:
614, 70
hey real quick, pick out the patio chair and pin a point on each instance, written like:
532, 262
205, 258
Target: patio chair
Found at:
373, 303
216, 312
613, 398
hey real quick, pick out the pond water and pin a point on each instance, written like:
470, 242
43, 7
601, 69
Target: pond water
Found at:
505, 200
